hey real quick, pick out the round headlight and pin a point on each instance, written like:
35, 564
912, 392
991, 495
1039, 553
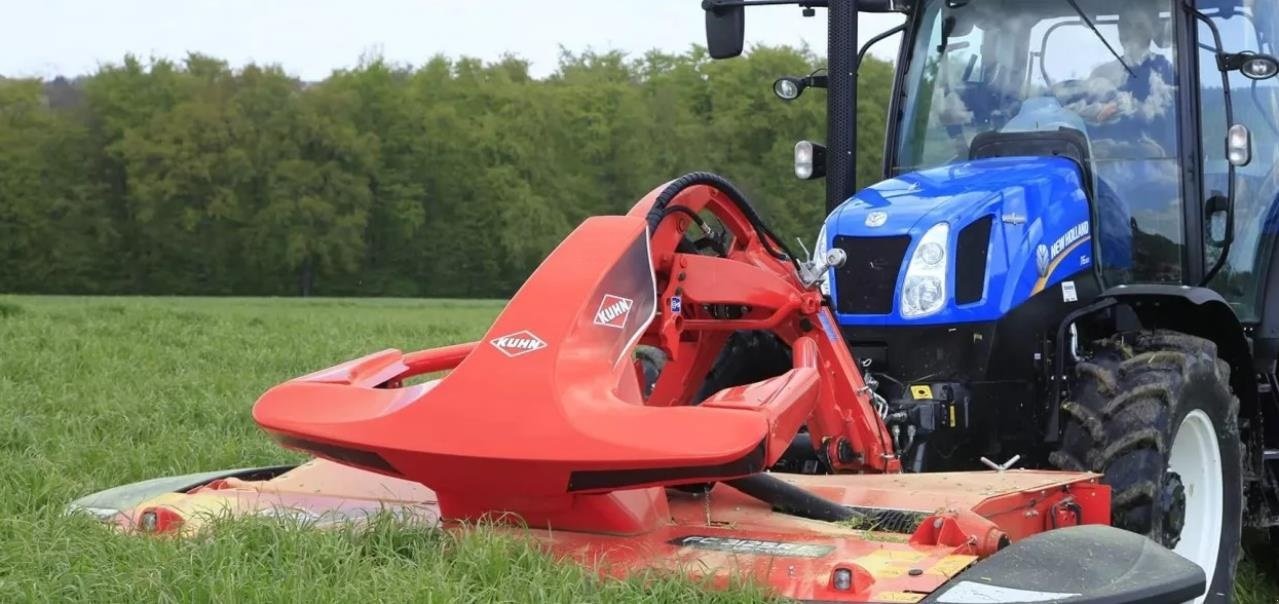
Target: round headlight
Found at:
922, 295
932, 253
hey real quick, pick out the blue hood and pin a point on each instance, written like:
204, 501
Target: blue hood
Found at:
950, 192
1040, 235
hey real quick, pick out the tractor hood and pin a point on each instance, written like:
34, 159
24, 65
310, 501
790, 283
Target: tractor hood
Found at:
950, 193
1017, 226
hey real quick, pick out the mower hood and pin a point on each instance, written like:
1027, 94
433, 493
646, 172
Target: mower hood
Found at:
547, 404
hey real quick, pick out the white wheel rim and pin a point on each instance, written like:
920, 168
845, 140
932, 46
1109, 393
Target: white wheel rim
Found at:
1196, 457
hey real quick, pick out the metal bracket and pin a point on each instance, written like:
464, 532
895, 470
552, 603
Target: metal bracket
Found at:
1001, 467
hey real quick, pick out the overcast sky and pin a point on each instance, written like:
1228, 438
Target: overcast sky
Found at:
309, 38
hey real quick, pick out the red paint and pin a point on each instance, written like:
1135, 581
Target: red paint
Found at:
544, 420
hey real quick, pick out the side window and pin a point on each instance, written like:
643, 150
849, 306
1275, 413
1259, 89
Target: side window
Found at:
1256, 105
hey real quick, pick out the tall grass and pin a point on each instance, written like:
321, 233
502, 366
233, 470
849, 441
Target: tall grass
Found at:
96, 392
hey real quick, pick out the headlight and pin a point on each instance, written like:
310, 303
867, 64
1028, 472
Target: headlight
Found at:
819, 251
924, 291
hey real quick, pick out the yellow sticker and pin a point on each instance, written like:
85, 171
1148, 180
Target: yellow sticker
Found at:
897, 596
921, 392
889, 564
951, 565
953, 423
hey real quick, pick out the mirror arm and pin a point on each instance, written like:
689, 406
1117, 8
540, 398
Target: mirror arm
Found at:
873, 41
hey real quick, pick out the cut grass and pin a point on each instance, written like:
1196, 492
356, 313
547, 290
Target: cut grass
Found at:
97, 392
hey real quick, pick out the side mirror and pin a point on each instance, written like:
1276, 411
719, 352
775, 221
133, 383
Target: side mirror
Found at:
725, 29
1239, 146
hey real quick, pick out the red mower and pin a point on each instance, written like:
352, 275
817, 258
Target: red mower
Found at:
553, 426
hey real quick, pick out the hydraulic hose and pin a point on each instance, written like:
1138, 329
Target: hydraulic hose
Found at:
790, 499
677, 186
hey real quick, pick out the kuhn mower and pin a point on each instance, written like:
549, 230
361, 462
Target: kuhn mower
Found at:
568, 449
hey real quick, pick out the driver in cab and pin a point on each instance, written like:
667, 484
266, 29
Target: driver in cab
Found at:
1133, 96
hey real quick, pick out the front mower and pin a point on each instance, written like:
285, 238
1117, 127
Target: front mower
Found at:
579, 448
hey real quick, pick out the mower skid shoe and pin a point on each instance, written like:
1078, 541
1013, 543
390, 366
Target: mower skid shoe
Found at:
1090, 564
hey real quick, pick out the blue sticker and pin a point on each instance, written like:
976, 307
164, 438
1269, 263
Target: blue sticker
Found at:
828, 327
677, 304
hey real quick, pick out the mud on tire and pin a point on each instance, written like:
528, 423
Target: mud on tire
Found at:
1127, 401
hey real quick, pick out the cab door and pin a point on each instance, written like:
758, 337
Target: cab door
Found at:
1245, 25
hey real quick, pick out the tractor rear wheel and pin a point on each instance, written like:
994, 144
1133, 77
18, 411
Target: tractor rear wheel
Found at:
1153, 412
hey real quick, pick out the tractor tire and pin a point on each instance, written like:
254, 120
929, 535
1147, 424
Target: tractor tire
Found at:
1153, 412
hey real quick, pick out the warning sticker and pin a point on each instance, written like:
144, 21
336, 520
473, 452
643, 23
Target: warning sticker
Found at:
754, 546
1068, 292
951, 565
890, 564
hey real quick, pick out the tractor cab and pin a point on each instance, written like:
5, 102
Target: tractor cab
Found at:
1140, 81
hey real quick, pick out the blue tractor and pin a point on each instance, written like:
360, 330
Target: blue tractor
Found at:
1069, 259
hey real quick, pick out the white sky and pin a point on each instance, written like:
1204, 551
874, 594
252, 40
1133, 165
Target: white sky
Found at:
309, 38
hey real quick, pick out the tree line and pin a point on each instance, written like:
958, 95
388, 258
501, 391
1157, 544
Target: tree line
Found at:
449, 179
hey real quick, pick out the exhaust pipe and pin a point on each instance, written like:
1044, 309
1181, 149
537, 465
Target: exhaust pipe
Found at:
841, 102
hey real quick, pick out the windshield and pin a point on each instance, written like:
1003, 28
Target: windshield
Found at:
1039, 65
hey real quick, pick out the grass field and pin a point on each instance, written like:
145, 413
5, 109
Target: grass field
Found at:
96, 392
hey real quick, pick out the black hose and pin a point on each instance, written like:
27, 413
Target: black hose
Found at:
709, 238
766, 236
790, 499
687, 212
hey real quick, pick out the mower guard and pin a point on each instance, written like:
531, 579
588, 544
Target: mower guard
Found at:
1115, 565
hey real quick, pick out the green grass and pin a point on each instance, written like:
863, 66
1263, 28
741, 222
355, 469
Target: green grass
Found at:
96, 392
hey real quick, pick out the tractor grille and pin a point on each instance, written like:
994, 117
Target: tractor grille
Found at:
971, 250
868, 280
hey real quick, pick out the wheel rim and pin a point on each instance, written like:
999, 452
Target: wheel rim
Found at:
1196, 458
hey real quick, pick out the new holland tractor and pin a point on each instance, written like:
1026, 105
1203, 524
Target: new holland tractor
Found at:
1071, 255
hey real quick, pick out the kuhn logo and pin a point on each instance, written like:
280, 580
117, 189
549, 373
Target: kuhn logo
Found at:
518, 343
613, 311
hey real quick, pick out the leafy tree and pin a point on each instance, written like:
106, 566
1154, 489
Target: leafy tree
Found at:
452, 178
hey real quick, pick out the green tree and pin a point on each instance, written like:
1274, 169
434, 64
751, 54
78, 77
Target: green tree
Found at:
452, 178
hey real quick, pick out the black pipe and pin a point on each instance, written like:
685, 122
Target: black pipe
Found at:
861, 55
790, 499
841, 102
766, 236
